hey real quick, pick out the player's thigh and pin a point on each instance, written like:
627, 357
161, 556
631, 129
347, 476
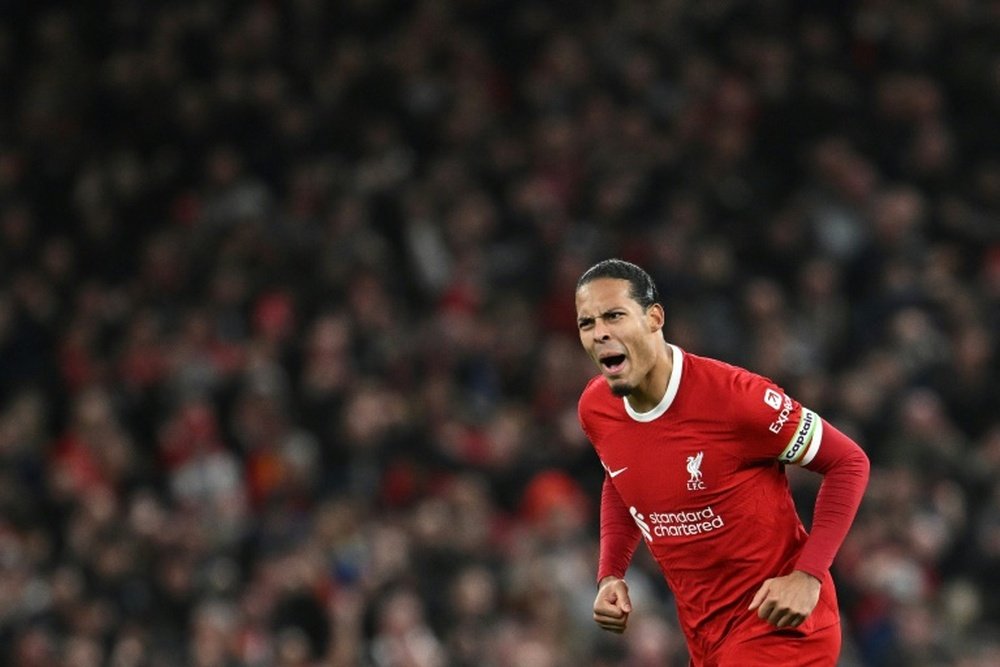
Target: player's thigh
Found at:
787, 648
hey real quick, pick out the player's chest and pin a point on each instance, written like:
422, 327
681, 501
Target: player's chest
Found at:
674, 467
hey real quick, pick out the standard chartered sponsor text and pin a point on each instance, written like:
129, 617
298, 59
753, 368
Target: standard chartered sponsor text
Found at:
685, 524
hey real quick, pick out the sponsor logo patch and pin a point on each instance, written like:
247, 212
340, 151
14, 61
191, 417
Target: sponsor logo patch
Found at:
685, 523
786, 410
773, 399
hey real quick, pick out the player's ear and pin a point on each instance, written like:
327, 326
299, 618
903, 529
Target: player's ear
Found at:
655, 317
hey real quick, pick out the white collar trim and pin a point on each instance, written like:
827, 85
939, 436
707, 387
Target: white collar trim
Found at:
668, 396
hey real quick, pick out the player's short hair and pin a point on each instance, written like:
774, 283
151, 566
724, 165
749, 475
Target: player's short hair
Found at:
641, 285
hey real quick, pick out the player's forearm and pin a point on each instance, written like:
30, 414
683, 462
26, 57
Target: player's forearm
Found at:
845, 469
619, 534
616, 554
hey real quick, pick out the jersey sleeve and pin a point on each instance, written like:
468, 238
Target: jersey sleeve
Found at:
775, 426
845, 469
772, 424
619, 534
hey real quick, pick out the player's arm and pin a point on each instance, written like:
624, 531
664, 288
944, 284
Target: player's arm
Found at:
845, 467
788, 601
619, 538
775, 426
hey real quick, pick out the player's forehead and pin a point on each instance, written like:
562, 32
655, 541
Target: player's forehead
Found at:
602, 294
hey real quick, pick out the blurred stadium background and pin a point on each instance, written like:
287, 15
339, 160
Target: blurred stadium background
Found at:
288, 363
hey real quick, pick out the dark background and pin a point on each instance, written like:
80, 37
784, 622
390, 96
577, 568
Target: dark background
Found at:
288, 362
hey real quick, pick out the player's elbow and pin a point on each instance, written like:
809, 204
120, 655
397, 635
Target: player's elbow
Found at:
861, 463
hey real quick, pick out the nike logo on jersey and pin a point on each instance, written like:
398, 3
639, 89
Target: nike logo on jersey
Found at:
613, 473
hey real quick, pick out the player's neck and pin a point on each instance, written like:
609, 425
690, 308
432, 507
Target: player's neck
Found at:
653, 387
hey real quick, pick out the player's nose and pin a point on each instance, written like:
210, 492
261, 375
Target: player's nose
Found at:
601, 331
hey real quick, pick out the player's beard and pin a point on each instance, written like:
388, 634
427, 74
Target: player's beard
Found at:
621, 390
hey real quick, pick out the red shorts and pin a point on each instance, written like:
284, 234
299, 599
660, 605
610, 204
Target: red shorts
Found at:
785, 647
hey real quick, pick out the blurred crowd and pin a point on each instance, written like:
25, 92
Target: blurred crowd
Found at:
288, 360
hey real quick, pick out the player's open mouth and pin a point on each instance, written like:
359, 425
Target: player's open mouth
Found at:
613, 363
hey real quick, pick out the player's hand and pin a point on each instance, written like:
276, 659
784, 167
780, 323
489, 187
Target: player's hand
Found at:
612, 606
787, 601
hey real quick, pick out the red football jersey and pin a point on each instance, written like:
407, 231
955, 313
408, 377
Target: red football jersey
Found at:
702, 478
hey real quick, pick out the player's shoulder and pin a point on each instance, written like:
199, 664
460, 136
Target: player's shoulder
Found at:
597, 402
594, 393
724, 376
713, 368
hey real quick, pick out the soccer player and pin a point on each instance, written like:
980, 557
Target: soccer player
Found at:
695, 451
